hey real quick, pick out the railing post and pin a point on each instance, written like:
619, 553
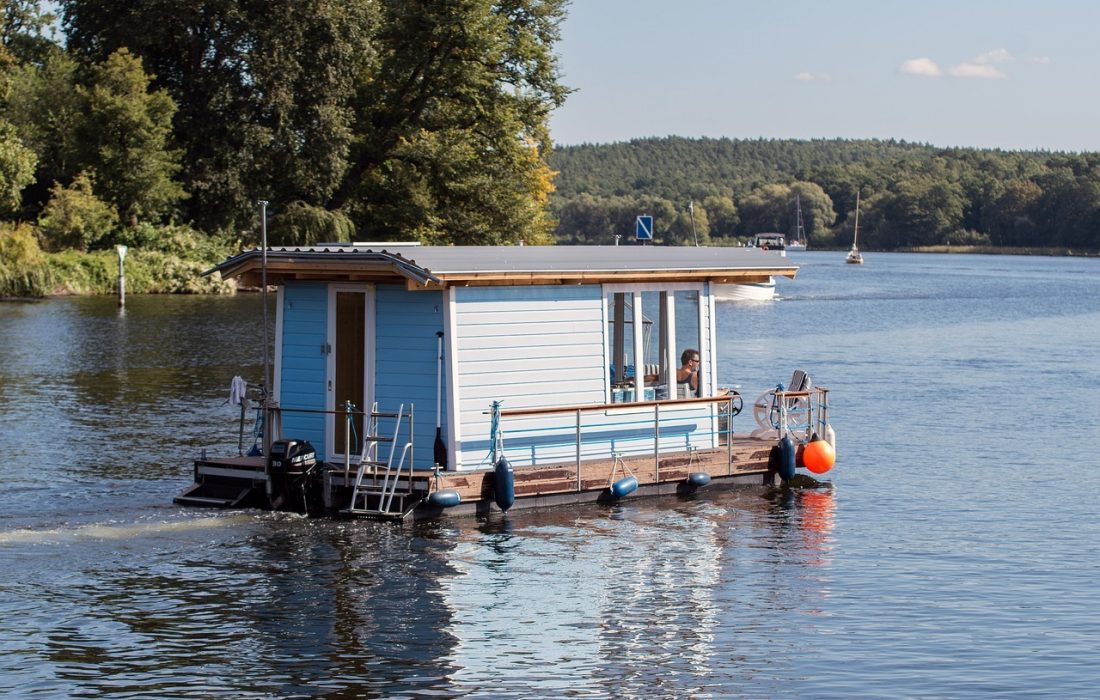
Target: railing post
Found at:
578, 450
657, 442
347, 441
729, 437
782, 413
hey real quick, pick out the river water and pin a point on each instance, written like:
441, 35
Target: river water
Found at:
957, 554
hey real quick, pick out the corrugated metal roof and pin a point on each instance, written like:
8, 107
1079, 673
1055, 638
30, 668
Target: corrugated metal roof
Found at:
438, 263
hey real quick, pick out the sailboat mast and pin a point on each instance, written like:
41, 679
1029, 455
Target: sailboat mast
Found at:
855, 236
800, 230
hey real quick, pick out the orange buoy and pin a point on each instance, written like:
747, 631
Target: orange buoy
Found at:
819, 456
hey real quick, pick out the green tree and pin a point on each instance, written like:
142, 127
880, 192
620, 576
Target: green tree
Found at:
690, 225
723, 215
265, 90
76, 218
47, 111
767, 208
455, 120
16, 168
23, 29
412, 118
817, 212
918, 211
1013, 215
125, 137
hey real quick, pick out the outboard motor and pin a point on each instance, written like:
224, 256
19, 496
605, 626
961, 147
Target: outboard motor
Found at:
289, 467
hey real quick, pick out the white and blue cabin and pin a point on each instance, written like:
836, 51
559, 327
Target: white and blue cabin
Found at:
570, 353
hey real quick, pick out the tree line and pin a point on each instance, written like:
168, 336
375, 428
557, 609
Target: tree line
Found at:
911, 195
408, 119
159, 125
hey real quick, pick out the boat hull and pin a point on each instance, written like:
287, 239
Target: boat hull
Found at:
762, 291
745, 461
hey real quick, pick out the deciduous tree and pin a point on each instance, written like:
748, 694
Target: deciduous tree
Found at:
125, 139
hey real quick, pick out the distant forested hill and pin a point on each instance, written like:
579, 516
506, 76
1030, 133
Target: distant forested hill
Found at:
910, 194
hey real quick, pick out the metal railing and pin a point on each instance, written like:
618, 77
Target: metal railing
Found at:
800, 414
647, 427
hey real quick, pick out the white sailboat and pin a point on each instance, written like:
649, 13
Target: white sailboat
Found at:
799, 242
854, 256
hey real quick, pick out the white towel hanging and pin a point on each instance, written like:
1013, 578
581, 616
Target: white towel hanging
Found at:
238, 391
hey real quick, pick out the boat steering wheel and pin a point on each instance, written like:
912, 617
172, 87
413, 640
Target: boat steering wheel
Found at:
765, 411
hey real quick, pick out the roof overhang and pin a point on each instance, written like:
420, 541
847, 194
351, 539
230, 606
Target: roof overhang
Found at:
439, 267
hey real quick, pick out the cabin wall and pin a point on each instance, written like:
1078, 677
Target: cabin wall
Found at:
405, 364
531, 347
302, 370
526, 347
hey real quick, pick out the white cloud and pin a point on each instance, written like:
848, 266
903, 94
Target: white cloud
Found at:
1041, 60
995, 56
975, 70
920, 66
806, 76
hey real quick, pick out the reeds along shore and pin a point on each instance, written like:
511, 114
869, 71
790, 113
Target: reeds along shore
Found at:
997, 250
175, 267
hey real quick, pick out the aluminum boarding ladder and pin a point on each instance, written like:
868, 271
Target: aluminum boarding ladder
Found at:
369, 498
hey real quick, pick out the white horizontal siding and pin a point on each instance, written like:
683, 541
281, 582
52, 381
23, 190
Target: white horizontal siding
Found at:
476, 302
532, 347
527, 347
534, 344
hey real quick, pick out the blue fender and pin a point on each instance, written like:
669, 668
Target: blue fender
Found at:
504, 484
445, 498
786, 464
698, 479
624, 487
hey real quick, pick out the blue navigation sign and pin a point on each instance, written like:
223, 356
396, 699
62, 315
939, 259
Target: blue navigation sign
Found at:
643, 228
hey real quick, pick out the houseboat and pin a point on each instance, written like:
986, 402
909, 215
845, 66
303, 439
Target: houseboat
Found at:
418, 381
754, 291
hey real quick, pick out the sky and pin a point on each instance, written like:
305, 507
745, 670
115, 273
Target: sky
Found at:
1009, 74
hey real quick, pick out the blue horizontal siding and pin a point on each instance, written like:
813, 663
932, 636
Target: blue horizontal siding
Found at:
302, 379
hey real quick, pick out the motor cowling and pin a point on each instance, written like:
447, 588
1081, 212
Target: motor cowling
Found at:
289, 466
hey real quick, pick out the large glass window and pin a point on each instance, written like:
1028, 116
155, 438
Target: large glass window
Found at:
649, 333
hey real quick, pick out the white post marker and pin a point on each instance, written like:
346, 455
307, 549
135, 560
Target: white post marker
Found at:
121, 275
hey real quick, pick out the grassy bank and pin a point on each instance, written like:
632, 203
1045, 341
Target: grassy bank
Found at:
172, 266
993, 250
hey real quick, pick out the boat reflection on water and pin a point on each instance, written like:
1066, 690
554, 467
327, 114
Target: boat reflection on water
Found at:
811, 512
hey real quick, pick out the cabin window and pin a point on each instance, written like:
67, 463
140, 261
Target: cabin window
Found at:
647, 334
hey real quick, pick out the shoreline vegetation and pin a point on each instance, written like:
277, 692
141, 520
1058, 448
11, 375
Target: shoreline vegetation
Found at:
995, 250
157, 272
111, 133
173, 266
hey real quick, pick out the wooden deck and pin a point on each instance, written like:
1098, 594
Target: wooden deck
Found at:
746, 459
745, 456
